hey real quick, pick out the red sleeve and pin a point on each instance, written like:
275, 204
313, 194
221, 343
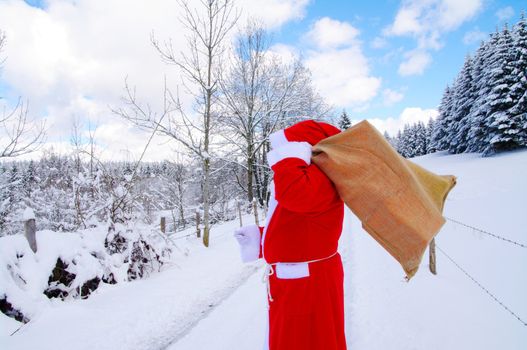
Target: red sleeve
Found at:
302, 187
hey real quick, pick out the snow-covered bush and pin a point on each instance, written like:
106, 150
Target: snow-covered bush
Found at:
73, 265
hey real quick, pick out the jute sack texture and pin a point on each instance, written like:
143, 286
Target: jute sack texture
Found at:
398, 202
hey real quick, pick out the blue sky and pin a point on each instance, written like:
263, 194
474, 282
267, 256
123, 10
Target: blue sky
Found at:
371, 18
387, 61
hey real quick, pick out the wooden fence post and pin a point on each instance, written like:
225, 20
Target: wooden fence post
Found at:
198, 230
240, 213
255, 208
30, 228
432, 251
163, 224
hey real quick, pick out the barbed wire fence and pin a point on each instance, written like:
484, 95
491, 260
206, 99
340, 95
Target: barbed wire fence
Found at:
486, 232
473, 279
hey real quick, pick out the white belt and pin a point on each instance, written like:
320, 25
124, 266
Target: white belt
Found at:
290, 270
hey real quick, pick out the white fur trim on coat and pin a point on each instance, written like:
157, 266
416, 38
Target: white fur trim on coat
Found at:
301, 150
290, 271
277, 139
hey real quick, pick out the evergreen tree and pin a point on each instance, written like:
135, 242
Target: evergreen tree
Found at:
464, 96
419, 135
429, 131
14, 184
481, 78
388, 138
501, 128
519, 90
397, 141
439, 140
29, 179
10, 201
406, 143
344, 121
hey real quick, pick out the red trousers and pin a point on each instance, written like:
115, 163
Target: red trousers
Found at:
308, 313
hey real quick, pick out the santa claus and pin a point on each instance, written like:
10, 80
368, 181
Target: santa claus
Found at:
299, 245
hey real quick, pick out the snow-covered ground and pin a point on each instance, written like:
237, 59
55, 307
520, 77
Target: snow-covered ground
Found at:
209, 300
449, 311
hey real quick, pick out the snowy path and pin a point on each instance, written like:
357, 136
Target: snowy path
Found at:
239, 322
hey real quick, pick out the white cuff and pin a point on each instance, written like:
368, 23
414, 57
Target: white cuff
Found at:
301, 150
277, 139
250, 250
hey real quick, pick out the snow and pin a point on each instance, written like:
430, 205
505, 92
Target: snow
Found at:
449, 311
28, 214
145, 314
208, 299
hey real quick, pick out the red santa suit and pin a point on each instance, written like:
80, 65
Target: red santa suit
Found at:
299, 244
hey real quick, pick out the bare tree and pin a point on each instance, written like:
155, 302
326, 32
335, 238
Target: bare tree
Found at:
260, 94
20, 136
207, 28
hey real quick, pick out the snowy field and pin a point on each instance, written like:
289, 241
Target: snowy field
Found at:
208, 300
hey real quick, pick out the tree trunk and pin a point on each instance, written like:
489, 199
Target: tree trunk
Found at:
198, 230
255, 209
250, 176
206, 202
162, 224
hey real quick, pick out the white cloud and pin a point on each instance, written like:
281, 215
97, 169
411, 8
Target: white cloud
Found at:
453, 13
415, 63
71, 58
339, 68
285, 53
505, 13
406, 22
342, 76
379, 43
328, 33
274, 13
474, 36
409, 115
391, 96
427, 21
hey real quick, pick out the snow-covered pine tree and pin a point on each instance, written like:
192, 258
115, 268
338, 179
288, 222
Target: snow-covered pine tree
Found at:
407, 142
399, 143
344, 121
500, 127
481, 78
463, 100
429, 131
419, 133
12, 201
389, 139
519, 90
439, 134
29, 179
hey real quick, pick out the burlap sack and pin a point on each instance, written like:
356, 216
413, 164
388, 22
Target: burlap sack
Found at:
398, 202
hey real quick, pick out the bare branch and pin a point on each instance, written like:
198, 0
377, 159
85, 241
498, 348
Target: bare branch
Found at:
21, 136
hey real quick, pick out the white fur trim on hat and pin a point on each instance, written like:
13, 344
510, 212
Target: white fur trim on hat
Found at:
277, 139
301, 150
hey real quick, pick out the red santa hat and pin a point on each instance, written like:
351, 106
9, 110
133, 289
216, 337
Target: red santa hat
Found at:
296, 140
308, 131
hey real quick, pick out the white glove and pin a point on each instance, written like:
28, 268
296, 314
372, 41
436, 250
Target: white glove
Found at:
249, 239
